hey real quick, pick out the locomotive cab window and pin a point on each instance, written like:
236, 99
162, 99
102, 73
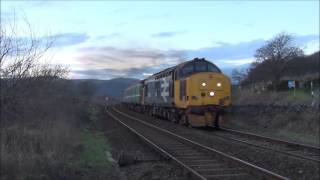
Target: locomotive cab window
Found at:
187, 69
213, 68
195, 67
200, 66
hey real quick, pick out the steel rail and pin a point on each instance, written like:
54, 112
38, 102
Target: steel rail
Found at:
289, 144
316, 148
159, 149
250, 168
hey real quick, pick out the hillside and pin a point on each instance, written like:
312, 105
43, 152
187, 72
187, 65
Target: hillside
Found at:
302, 66
112, 87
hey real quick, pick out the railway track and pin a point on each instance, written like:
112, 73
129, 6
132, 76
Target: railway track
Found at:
296, 150
201, 161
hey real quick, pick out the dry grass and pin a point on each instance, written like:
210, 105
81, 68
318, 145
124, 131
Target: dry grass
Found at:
276, 114
302, 127
32, 152
52, 135
284, 98
44, 137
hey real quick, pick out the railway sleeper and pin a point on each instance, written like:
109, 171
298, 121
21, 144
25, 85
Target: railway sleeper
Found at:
195, 162
238, 176
194, 156
191, 157
186, 151
314, 156
182, 149
177, 148
216, 171
209, 166
176, 145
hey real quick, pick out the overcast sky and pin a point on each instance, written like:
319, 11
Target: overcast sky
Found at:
108, 39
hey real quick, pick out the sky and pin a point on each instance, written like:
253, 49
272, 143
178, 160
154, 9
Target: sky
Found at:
110, 39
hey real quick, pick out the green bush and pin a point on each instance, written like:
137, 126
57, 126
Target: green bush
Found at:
92, 113
95, 150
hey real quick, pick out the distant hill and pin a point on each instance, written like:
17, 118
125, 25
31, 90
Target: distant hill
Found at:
112, 87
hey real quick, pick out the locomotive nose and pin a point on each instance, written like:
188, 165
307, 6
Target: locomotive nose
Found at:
210, 84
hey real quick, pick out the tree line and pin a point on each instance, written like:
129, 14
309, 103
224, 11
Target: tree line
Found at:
43, 115
277, 58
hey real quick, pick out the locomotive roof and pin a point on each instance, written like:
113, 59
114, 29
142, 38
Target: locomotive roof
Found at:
170, 69
165, 70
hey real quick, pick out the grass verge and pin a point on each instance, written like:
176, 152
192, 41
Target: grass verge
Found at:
94, 151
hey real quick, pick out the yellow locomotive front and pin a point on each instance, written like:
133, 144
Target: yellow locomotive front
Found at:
201, 92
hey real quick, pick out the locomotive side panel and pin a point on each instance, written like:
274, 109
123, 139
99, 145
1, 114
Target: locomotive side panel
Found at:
158, 91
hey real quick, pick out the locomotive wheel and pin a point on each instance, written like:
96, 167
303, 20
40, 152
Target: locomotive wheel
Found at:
216, 121
184, 120
150, 112
173, 118
169, 116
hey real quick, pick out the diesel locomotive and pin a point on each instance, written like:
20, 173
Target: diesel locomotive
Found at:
194, 93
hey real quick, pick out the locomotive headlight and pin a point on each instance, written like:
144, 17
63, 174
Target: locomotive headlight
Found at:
211, 93
219, 84
203, 84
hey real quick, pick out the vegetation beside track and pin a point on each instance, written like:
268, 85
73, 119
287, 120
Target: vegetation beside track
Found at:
52, 134
277, 114
94, 149
43, 115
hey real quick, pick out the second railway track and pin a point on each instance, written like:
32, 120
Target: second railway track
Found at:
293, 149
201, 161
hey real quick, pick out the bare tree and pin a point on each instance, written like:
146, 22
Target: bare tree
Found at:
19, 55
275, 53
238, 75
20, 66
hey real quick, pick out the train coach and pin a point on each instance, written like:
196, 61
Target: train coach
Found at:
194, 93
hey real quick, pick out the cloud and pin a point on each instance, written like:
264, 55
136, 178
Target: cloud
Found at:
309, 43
97, 74
167, 34
139, 73
108, 36
311, 47
227, 54
8, 18
302, 40
239, 62
68, 39
112, 61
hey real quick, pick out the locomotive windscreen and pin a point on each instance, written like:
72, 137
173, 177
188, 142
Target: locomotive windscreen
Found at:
197, 66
